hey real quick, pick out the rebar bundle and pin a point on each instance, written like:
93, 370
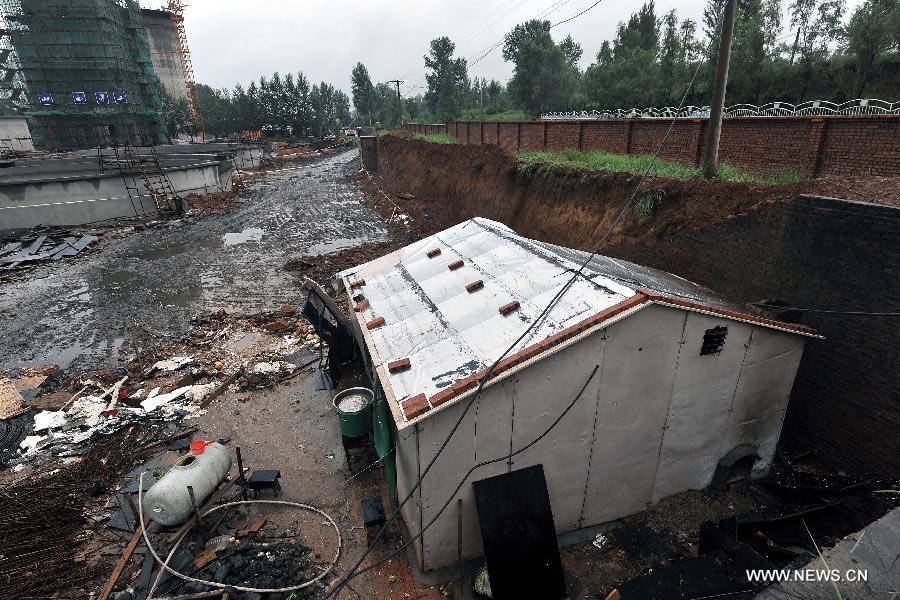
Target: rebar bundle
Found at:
43, 521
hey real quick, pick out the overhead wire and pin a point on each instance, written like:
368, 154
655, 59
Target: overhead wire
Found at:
825, 311
575, 16
485, 53
484, 463
539, 319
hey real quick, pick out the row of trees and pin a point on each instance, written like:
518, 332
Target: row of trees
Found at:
783, 50
279, 104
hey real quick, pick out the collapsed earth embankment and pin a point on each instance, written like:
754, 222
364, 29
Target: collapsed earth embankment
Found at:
757, 243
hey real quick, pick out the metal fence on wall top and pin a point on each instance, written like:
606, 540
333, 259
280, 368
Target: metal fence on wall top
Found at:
863, 106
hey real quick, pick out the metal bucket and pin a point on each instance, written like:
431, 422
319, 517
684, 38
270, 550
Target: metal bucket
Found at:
354, 409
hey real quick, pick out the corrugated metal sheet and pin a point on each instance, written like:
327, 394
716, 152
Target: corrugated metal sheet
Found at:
449, 333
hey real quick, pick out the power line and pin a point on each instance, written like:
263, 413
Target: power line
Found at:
860, 313
591, 7
538, 320
484, 54
490, 21
485, 463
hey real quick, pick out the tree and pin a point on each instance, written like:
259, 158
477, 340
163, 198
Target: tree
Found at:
670, 55
494, 89
545, 76
572, 51
818, 25
362, 90
177, 115
869, 37
447, 80
748, 51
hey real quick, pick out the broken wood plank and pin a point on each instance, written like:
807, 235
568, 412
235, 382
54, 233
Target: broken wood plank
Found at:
219, 390
204, 558
123, 560
254, 528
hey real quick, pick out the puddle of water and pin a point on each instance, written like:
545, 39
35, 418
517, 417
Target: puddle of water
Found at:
157, 252
251, 234
340, 244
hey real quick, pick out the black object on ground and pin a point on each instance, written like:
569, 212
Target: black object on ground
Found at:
718, 574
373, 515
264, 479
519, 536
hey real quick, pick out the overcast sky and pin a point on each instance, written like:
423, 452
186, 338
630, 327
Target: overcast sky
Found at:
235, 41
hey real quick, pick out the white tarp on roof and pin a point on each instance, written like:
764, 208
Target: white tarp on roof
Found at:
449, 333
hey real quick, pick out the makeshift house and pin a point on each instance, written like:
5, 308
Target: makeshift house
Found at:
670, 385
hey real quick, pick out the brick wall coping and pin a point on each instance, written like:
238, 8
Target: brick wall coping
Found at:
873, 117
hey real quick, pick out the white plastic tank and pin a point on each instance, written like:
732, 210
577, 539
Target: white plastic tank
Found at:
168, 501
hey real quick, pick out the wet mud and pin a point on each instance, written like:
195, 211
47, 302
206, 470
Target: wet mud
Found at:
78, 314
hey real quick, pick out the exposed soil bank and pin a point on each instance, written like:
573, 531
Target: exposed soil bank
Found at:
753, 242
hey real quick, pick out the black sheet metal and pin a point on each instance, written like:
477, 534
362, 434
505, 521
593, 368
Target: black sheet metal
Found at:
519, 536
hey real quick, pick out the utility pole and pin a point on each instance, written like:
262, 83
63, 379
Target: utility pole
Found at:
399, 101
714, 127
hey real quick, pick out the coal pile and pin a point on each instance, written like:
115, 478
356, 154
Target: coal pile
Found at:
264, 564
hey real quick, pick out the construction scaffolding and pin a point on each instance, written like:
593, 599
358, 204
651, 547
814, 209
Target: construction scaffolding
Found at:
81, 71
176, 8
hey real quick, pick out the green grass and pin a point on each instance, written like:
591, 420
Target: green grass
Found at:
537, 162
480, 114
438, 138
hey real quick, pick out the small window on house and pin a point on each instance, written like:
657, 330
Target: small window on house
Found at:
713, 341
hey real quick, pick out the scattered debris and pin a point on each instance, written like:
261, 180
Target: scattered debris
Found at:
11, 401
41, 248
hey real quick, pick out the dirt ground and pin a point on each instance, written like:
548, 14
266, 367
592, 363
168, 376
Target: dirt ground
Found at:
294, 428
246, 256
78, 313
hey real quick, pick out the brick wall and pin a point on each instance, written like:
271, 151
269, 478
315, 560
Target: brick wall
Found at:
820, 253
834, 145
805, 251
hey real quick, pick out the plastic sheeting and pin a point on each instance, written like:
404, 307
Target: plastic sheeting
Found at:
449, 333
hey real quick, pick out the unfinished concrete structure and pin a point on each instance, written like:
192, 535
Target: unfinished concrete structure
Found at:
14, 134
163, 39
81, 71
678, 382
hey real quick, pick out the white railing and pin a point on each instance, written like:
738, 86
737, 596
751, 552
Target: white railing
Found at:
863, 106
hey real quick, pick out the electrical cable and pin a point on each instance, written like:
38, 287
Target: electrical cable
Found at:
216, 584
573, 17
484, 54
540, 317
860, 313
478, 466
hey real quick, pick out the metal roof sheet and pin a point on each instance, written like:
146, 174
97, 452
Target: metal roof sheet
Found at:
450, 334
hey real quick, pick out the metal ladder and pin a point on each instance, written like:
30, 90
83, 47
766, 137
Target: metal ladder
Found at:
154, 180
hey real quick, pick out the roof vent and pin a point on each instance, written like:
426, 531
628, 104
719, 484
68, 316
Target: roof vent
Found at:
399, 365
434, 252
475, 286
455, 265
713, 341
508, 308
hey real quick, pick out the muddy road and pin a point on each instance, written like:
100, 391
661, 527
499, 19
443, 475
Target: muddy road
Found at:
75, 313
